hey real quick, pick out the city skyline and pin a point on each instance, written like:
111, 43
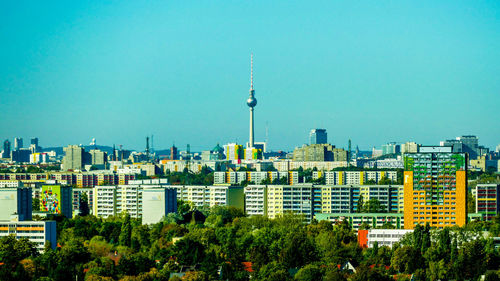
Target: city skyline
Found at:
374, 74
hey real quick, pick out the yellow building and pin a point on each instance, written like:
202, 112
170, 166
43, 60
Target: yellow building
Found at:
435, 188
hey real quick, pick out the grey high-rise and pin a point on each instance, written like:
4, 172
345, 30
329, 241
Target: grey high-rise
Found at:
318, 136
470, 145
73, 158
18, 143
6, 149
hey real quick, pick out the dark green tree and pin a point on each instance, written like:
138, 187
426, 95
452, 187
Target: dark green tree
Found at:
126, 231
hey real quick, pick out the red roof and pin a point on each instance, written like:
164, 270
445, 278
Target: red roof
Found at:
379, 265
247, 266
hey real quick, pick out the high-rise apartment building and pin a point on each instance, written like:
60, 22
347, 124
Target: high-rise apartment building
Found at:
15, 203
6, 149
174, 155
234, 151
18, 143
319, 152
34, 145
57, 199
318, 136
435, 187
98, 157
409, 147
487, 196
157, 203
354, 177
470, 145
290, 198
73, 158
391, 148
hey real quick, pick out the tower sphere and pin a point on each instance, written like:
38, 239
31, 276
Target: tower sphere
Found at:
251, 101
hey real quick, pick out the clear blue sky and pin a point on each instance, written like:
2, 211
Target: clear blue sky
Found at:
373, 71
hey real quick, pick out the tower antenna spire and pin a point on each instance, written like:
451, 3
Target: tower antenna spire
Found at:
251, 71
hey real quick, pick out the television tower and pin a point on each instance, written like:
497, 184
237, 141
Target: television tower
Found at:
251, 102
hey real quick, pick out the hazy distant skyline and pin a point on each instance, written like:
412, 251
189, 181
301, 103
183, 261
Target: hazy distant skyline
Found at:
373, 72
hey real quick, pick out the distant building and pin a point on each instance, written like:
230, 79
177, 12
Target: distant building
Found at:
319, 152
76, 158
73, 158
318, 136
456, 145
39, 157
98, 158
173, 153
470, 145
217, 153
234, 152
409, 147
376, 152
435, 187
57, 199
391, 148
466, 144
6, 149
252, 153
21, 155
15, 204
487, 196
38, 232
34, 145
18, 143
354, 177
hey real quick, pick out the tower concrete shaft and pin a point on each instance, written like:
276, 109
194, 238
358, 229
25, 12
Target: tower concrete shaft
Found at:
251, 142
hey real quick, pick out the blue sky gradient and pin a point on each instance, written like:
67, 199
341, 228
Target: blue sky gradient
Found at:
374, 71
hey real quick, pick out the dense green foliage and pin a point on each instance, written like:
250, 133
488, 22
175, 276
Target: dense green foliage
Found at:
220, 243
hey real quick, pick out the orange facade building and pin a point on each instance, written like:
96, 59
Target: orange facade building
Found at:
435, 188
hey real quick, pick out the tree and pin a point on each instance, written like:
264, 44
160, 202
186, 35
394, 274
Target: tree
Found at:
365, 273
34, 169
35, 203
405, 259
309, 272
126, 231
98, 247
374, 206
360, 207
84, 205
491, 276
195, 276
471, 203
189, 251
385, 181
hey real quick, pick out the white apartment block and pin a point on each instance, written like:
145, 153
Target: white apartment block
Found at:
210, 196
256, 200
11, 184
254, 177
111, 200
290, 198
354, 177
384, 237
104, 201
288, 165
38, 232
